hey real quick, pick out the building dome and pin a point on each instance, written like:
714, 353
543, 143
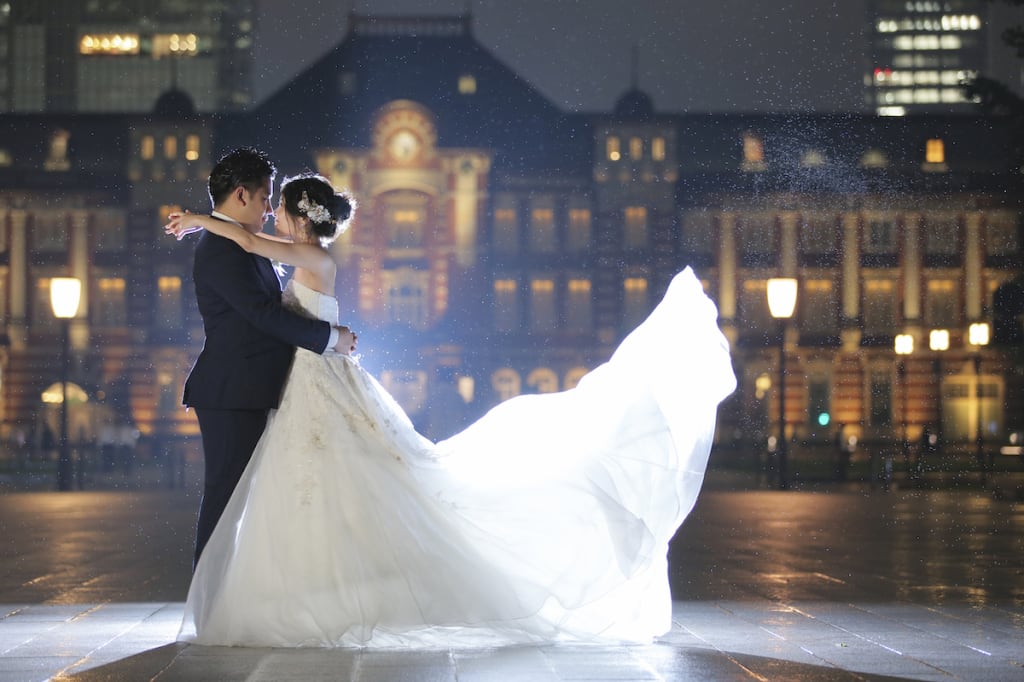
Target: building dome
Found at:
174, 103
634, 104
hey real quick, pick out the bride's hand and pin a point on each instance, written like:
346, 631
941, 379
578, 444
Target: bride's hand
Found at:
181, 224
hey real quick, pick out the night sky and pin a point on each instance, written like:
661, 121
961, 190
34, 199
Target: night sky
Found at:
694, 55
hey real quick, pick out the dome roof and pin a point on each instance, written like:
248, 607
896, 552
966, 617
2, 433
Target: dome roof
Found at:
174, 103
634, 103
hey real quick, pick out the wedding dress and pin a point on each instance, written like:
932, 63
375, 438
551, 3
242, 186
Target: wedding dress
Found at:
548, 520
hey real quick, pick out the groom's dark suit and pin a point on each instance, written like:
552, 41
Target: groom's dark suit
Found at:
240, 373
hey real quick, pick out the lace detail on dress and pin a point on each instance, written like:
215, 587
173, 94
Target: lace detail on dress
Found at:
309, 302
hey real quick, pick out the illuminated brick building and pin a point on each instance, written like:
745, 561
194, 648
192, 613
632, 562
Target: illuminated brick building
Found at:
502, 246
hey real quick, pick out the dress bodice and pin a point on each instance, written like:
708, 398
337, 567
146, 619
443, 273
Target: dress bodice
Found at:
309, 302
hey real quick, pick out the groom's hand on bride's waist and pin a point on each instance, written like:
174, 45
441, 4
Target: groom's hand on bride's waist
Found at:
346, 343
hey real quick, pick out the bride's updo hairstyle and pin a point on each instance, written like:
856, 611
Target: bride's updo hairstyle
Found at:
310, 196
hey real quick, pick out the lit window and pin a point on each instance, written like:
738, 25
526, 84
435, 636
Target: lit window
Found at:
636, 148
753, 152
658, 149
192, 147
636, 227
941, 303
579, 229
109, 43
168, 304
5, 158
542, 380
147, 147
579, 306
635, 304
506, 230
935, 151
506, 305
879, 306
467, 84
170, 147
613, 148
57, 158
108, 307
542, 230
543, 317
175, 44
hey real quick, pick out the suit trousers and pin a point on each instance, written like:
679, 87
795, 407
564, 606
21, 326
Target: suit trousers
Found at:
229, 438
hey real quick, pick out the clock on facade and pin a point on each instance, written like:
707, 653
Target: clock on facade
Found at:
404, 145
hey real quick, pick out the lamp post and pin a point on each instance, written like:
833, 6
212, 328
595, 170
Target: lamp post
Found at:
782, 302
978, 336
938, 342
65, 292
903, 345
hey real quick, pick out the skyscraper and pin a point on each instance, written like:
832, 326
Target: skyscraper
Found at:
919, 51
121, 55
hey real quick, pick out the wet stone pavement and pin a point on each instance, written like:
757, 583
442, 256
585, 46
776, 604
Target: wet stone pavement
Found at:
839, 583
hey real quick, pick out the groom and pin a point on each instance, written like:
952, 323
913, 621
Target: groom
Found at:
250, 338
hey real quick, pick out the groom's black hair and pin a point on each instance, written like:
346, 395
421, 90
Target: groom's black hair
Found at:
243, 167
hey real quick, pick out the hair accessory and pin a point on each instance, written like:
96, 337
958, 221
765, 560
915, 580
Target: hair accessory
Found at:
313, 210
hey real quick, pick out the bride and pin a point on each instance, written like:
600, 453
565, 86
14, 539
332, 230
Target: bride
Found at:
548, 520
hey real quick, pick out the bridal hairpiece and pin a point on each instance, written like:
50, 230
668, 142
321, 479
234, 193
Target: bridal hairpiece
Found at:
313, 210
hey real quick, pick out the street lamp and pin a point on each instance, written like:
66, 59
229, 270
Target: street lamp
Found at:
938, 341
903, 345
978, 336
65, 292
782, 303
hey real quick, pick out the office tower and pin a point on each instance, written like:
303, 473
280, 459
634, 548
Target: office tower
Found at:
919, 51
120, 56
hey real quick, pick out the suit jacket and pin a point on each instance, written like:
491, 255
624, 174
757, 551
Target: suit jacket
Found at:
250, 337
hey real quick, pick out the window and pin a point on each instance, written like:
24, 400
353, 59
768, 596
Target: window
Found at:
542, 380
579, 229
635, 303
175, 44
942, 303
42, 310
698, 234
819, 411
109, 232
506, 383
405, 215
406, 297
467, 84
50, 232
942, 236
880, 237
935, 151
658, 149
753, 152
880, 399
147, 147
109, 43
506, 305
506, 227
613, 148
818, 235
757, 238
543, 317
192, 148
108, 305
879, 307
579, 306
573, 377
168, 303
1002, 236
754, 313
636, 148
636, 227
542, 227
170, 147
819, 311
57, 156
